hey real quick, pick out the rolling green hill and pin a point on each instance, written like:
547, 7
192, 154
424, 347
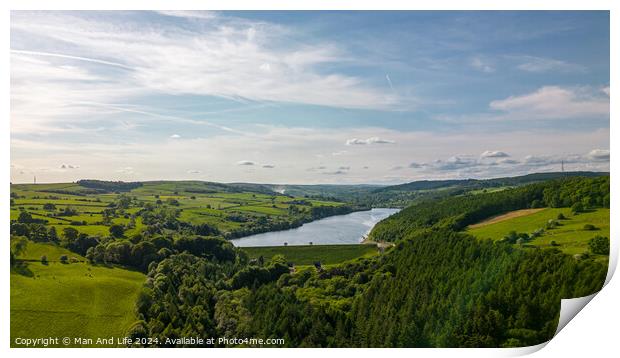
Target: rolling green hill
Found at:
229, 210
570, 235
70, 300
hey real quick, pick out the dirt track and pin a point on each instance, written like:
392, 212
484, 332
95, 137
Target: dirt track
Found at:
510, 215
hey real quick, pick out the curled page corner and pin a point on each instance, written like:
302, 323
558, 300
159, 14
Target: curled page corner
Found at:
569, 309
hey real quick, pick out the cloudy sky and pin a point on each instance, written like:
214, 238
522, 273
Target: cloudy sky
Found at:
307, 97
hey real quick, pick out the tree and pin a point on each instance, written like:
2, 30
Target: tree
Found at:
577, 208
117, 231
70, 234
49, 207
44, 260
52, 235
599, 245
63, 259
536, 203
24, 217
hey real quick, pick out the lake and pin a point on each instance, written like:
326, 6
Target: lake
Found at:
334, 230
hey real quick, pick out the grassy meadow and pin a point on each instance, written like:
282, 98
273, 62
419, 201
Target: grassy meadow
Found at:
70, 300
309, 254
570, 234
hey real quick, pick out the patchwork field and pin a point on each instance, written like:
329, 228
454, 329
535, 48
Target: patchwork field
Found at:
229, 209
570, 234
308, 255
70, 300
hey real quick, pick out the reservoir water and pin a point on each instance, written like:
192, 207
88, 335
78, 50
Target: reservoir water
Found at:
334, 230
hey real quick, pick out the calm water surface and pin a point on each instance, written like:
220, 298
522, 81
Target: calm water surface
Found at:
334, 230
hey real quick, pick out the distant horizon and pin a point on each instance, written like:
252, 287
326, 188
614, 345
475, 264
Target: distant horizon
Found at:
307, 184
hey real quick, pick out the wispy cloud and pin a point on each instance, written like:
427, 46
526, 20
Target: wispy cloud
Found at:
541, 64
221, 57
554, 102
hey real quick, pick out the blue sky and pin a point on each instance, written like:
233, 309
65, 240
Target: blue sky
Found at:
307, 97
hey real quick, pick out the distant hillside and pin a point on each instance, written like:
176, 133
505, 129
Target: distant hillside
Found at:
485, 183
334, 192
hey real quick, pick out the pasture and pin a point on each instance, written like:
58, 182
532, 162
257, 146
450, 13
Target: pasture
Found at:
569, 235
70, 300
197, 203
308, 254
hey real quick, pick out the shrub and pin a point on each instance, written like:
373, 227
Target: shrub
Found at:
561, 216
552, 224
44, 260
63, 259
589, 227
599, 245
553, 243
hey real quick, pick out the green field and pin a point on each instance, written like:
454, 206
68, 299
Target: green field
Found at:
309, 254
70, 300
197, 203
570, 235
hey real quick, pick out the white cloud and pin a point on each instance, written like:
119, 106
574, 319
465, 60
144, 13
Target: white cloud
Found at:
605, 90
481, 64
599, 154
245, 162
175, 136
371, 140
292, 149
189, 14
554, 102
494, 154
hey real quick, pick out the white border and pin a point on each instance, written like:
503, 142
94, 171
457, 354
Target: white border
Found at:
593, 332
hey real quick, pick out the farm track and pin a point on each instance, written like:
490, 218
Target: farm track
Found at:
506, 216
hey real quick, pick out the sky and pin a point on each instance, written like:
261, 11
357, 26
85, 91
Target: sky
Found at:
307, 97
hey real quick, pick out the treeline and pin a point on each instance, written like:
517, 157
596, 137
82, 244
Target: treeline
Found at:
459, 211
471, 184
144, 253
109, 186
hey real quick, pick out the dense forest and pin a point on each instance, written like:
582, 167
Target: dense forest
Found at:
435, 288
456, 212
